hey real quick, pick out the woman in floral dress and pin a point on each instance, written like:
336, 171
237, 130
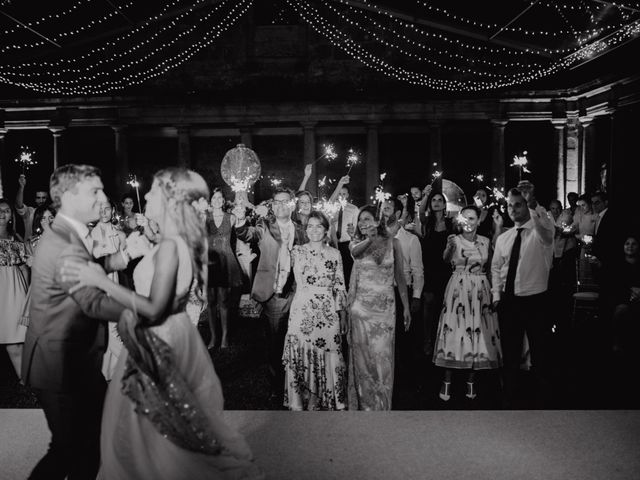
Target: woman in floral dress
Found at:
372, 312
315, 371
14, 281
468, 336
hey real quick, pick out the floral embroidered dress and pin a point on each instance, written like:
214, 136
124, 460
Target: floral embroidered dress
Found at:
13, 290
468, 334
315, 370
372, 317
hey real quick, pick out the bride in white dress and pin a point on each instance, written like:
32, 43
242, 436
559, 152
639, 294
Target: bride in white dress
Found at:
162, 417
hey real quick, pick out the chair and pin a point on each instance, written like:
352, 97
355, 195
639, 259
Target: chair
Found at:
586, 297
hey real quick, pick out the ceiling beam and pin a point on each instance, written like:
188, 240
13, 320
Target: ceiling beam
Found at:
462, 31
513, 20
29, 28
622, 7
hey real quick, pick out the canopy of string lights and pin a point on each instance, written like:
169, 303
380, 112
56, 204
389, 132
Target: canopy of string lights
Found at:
93, 47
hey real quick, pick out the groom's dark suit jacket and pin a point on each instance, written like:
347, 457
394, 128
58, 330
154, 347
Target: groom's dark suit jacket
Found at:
67, 335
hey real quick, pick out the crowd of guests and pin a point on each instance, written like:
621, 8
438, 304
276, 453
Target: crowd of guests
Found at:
354, 298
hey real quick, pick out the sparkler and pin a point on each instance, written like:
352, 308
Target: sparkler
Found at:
478, 177
463, 222
521, 162
380, 195
133, 182
329, 153
25, 159
436, 175
352, 159
239, 185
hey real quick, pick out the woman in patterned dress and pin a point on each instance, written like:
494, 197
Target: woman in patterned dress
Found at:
468, 336
372, 312
315, 371
14, 281
224, 269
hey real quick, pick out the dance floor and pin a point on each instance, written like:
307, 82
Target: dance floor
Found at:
421, 445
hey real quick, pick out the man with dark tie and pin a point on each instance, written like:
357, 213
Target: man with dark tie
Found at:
343, 223
520, 272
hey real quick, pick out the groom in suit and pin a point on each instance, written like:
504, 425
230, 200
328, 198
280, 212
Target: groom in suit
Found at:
273, 285
67, 336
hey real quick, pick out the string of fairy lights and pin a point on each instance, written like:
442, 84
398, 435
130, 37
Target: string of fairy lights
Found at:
374, 35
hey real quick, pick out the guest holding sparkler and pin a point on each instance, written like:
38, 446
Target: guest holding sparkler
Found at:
128, 221
520, 274
14, 279
107, 240
25, 212
378, 263
468, 334
486, 224
343, 224
42, 218
224, 270
300, 214
273, 285
584, 219
315, 370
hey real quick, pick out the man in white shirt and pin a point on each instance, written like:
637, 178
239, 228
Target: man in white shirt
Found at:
520, 268
26, 212
343, 224
409, 352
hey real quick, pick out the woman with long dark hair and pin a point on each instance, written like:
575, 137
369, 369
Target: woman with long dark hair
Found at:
372, 312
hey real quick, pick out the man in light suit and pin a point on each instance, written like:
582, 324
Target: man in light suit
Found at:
67, 336
273, 284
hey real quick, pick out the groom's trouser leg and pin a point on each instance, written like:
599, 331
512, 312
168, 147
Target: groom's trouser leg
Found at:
74, 420
276, 313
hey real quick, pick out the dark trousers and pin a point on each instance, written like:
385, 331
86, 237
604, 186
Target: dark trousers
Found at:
74, 420
409, 354
347, 261
276, 314
516, 316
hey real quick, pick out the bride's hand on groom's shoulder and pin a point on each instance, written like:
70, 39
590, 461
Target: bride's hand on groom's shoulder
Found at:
82, 274
137, 245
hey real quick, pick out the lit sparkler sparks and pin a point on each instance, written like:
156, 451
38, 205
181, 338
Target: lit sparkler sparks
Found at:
463, 222
521, 162
478, 177
25, 159
587, 240
134, 183
352, 159
239, 185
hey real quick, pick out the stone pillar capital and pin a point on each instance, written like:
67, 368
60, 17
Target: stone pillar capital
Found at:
3, 132
119, 128
57, 130
559, 123
183, 129
307, 125
498, 123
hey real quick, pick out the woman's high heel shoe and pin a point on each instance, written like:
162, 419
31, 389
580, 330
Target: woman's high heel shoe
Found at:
444, 391
471, 391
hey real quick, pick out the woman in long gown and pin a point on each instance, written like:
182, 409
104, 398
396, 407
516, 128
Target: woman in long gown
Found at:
372, 312
162, 417
315, 372
14, 281
468, 335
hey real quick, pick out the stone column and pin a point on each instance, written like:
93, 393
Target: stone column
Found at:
184, 146
572, 179
586, 152
245, 134
121, 158
435, 146
498, 169
3, 132
372, 167
558, 142
309, 156
57, 145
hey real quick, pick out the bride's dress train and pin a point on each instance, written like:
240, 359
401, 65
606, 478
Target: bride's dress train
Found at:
132, 447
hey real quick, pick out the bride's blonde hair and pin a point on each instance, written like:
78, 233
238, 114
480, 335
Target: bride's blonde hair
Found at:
186, 188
